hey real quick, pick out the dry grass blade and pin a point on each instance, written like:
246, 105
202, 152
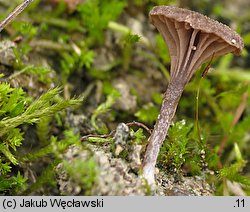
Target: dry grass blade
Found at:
14, 13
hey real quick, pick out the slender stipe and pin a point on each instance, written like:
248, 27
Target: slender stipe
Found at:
192, 39
14, 14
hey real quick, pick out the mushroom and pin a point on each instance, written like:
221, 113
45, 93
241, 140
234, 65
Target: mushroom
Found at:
192, 39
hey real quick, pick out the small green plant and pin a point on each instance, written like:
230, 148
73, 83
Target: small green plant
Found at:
96, 14
72, 61
233, 172
84, 173
103, 108
12, 185
138, 136
16, 109
128, 42
175, 151
54, 151
148, 113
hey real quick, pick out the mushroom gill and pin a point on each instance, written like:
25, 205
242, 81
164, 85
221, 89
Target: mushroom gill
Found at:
192, 39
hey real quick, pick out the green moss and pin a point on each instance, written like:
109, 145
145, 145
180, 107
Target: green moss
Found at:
69, 45
16, 110
83, 173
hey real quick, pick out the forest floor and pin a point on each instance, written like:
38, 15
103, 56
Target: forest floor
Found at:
81, 87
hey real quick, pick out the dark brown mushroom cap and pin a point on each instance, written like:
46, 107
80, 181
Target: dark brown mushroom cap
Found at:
192, 38
200, 22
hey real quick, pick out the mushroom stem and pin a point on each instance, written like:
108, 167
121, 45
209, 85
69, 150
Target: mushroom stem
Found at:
167, 112
192, 39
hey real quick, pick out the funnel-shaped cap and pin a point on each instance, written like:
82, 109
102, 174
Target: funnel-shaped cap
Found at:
192, 38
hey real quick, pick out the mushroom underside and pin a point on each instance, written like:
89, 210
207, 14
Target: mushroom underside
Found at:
188, 47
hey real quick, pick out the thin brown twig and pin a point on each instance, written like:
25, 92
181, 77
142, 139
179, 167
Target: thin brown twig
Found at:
204, 74
98, 136
134, 123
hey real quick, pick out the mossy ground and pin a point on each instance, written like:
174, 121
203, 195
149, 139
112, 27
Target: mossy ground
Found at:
79, 68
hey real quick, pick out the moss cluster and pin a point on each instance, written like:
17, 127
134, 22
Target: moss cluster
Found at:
68, 72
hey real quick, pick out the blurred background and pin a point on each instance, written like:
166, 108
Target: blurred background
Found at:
109, 53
